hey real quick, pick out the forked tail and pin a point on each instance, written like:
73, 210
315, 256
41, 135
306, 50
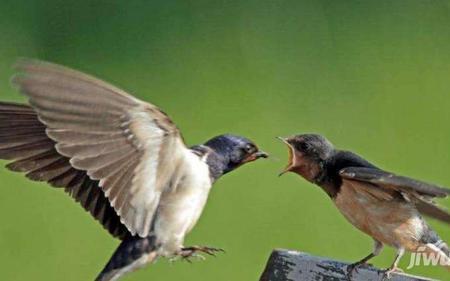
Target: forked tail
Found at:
132, 253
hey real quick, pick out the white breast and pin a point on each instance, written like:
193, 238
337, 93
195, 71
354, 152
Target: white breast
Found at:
181, 205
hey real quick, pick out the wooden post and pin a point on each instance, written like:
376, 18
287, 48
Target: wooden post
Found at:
285, 265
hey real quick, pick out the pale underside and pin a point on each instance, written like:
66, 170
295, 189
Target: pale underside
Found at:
388, 220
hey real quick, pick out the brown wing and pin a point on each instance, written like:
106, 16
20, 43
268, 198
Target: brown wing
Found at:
418, 192
130, 147
23, 139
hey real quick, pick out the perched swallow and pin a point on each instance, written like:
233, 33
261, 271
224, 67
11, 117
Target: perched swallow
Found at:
381, 204
122, 159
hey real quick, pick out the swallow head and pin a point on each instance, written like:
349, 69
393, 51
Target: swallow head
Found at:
307, 153
234, 151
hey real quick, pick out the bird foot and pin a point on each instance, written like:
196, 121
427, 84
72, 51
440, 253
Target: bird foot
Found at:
189, 255
352, 268
388, 272
189, 252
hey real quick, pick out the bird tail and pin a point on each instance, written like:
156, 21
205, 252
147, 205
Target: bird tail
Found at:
441, 252
132, 253
446, 251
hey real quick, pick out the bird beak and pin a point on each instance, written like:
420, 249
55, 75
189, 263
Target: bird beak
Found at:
261, 154
255, 156
291, 153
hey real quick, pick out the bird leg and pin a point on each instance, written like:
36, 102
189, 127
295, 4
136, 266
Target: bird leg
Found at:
394, 267
378, 246
193, 251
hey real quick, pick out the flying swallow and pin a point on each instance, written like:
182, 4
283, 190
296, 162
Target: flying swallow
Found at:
122, 159
381, 204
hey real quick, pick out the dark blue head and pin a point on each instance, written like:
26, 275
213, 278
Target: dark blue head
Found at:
233, 151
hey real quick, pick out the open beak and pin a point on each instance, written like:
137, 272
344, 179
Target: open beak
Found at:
291, 154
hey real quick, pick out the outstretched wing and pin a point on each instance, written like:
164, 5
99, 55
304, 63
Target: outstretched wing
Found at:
418, 192
23, 139
130, 147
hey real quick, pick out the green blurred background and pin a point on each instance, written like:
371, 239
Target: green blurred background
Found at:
373, 76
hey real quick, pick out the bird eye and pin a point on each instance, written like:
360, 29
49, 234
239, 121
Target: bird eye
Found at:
303, 146
249, 148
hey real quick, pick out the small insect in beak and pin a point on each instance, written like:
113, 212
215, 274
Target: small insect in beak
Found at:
255, 156
261, 154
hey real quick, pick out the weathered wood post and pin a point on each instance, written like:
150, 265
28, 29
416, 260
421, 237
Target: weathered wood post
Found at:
285, 265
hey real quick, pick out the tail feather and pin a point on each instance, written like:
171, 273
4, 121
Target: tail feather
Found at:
132, 253
435, 248
441, 251
446, 251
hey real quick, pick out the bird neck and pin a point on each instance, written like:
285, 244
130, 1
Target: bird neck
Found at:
218, 163
327, 179
330, 188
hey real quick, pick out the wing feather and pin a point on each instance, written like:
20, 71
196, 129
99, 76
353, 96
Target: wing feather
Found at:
414, 191
25, 150
95, 148
22, 132
13, 141
50, 171
120, 180
432, 210
79, 138
386, 179
54, 70
115, 138
63, 179
25, 146
34, 162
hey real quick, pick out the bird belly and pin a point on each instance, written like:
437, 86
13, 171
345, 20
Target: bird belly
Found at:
181, 206
393, 222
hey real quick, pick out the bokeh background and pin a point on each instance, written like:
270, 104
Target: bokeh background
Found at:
373, 76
